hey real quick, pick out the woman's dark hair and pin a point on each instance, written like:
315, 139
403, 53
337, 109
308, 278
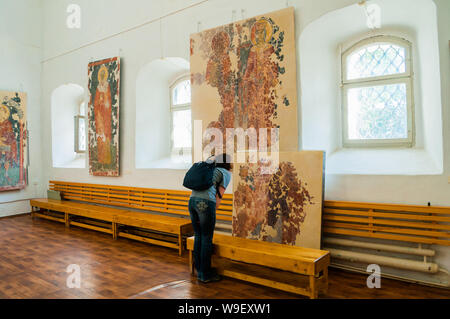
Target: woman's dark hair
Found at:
223, 161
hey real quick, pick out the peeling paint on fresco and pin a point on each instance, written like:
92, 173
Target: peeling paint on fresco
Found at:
242, 72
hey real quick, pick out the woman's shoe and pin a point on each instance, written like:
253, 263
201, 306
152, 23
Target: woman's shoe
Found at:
213, 278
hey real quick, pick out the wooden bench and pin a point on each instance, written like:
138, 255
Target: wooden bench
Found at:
295, 269
404, 223
119, 211
409, 230
82, 207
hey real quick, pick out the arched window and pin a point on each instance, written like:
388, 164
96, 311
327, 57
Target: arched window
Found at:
163, 99
377, 93
180, 108
67, 103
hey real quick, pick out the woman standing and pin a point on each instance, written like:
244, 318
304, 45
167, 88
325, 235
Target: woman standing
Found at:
202, 208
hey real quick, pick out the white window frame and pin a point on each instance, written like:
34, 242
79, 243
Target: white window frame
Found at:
77, 119
406, 77
178, 107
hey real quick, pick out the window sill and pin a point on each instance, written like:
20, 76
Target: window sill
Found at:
78, 162
382, 162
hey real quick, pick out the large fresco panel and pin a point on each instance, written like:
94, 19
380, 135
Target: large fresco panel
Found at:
244, 75
284, 206
103, 114
13, 140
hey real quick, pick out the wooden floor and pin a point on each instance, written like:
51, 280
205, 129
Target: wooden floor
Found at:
34, 256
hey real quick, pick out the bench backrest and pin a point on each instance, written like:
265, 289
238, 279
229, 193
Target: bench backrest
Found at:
156, 200
408, 223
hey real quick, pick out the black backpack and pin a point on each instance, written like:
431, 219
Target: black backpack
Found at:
200, 176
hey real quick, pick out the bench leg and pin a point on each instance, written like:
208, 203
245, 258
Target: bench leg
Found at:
114, 230
180, 244
67, 220
191, 262
32, 212
313, 287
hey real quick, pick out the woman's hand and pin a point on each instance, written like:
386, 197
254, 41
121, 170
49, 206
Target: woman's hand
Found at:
219, 198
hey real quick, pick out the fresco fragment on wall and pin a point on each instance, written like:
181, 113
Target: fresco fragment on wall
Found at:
284, 207
243, 75
13, 140
103, 113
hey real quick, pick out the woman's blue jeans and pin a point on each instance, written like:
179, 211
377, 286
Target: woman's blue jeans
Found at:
203, 217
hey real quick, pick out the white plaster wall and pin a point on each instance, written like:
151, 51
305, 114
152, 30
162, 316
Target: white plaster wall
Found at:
428, 69
443, 13
20, 57
138, 47
152, 102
